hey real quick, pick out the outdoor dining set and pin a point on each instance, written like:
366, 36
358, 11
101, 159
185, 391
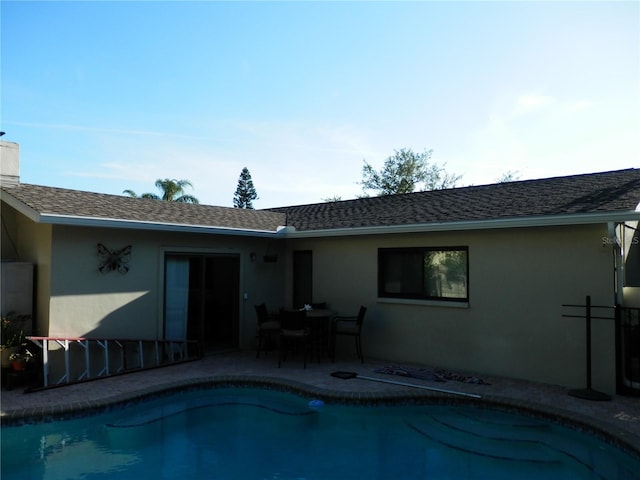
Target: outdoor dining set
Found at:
309, 330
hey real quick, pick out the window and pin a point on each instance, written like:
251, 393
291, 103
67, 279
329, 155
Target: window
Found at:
424, 273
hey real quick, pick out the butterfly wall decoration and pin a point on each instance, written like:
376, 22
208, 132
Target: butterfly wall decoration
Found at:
114, 260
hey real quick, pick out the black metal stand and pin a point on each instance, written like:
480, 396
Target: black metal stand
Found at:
588, 393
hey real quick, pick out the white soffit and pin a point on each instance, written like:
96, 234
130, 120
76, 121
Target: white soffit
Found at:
514, 222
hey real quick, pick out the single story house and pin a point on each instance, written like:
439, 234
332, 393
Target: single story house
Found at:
475, 278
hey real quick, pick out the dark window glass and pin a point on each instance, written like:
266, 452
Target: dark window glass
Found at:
424, 273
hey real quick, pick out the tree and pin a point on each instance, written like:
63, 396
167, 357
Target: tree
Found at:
509, 176
404, 172
133, 194
172, 191
246, 192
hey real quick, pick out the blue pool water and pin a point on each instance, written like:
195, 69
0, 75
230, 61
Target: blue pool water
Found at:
246, 433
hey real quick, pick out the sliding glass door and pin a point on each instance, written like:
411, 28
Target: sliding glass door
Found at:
202, 299
176, 309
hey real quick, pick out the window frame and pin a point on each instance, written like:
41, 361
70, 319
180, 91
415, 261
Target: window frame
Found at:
385, 252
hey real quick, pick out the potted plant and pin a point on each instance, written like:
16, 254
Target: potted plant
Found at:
12, 336
19, 361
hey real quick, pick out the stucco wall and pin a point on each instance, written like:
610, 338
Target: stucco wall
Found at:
35, 241
26, 241
85, 302
513, 326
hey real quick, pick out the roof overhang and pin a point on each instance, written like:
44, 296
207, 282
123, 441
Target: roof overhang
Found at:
98, 222
291, 232
517, 222
155, 226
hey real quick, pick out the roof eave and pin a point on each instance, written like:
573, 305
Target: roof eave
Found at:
21, 207
512, 222
156, 226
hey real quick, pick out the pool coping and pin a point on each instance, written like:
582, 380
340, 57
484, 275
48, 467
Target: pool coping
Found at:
606, 431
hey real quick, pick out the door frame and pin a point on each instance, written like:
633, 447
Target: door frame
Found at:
199, 328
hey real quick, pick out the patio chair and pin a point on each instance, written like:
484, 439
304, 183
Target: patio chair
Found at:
350, 326
295, 332
268, 326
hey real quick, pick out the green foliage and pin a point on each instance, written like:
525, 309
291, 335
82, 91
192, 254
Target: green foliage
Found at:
172, 191
130, 193
12, 332
246, 192
405, 172
446, 272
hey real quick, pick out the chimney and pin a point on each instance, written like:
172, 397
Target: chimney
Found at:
9, 164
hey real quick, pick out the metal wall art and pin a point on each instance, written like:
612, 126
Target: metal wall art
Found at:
113, 260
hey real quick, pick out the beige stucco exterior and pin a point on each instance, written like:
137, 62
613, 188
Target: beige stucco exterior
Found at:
27, 241
85, 302
513, 324
73, 299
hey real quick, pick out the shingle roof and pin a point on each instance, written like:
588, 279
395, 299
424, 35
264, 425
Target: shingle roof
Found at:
616, 191
75, 203
608, 192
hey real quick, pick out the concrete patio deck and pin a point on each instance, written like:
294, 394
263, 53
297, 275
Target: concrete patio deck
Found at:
617, 420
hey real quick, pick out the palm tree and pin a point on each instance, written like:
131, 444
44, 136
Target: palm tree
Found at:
172, 191
133, 194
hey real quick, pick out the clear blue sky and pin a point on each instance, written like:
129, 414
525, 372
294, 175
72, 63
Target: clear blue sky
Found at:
107, 96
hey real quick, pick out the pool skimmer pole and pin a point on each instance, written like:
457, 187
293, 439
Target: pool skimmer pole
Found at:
348, 375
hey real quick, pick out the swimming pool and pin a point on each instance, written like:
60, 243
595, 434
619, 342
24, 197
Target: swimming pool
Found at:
253, 433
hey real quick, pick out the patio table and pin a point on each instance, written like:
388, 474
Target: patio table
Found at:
320, 321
